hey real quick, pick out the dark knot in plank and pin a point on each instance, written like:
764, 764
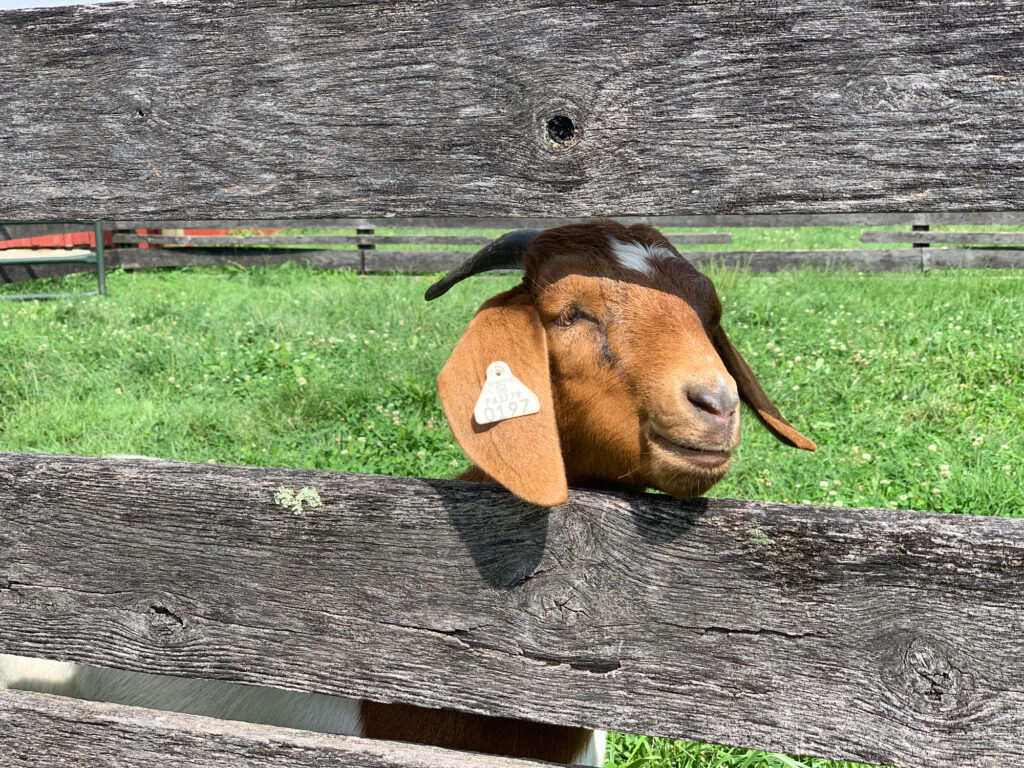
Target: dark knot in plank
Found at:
928, 678
562, 131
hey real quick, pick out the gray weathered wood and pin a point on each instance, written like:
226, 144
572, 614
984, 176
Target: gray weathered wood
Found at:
140, 258
897, 260
38, 730
1000, 218
697, 238
874, 635
867, 260
412, 261
377, 107
957, 238
972, 258
244, 240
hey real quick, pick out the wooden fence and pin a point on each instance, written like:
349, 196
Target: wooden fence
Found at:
144, 244
872, 635
875, 635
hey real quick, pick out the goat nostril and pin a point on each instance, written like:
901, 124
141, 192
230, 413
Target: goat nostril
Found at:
719, 402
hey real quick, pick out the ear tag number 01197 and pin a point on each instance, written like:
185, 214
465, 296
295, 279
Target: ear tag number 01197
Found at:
504, 396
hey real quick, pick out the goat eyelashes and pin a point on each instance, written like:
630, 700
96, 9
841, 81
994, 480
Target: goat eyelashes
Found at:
637, 383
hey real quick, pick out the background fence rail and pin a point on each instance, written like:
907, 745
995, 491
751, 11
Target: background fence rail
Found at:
247, 245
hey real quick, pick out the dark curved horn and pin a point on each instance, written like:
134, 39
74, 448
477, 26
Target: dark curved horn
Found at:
504, 253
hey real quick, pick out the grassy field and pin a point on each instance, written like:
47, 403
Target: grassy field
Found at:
911, 384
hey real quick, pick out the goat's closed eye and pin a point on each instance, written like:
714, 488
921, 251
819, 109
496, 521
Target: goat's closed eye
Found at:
571, 316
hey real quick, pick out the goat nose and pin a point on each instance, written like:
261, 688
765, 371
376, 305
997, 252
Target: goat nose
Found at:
719, 401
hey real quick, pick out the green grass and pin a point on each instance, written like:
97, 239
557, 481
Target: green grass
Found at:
910, 384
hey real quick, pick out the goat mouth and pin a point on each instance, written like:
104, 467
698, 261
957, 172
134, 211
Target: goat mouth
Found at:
702, 457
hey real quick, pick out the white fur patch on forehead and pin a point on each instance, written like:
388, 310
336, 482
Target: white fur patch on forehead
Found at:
638, 256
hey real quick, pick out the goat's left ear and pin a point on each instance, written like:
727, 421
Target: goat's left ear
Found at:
521, 453
753, 395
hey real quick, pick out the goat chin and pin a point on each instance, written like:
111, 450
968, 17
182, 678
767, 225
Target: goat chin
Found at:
682, 471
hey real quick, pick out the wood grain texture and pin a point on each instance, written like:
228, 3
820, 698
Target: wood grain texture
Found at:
171, 109
881, 636
867, 260
141, 258
698, 238
897, 260
243, 240
39, 730
956, 238
1002, 218
972, 258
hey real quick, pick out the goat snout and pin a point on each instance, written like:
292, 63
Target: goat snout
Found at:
717, 405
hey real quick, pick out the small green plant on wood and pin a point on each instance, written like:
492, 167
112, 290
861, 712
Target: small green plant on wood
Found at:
293, 500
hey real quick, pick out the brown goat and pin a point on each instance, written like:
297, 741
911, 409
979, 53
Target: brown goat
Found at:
620, 339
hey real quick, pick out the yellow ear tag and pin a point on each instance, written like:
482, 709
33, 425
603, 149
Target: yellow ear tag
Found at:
504, 396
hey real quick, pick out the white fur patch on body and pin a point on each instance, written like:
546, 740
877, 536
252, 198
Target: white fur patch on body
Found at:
638, 256
212, 698
593, 752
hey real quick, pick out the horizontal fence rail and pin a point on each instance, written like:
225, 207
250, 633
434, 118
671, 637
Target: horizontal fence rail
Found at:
960, 238
880, 636
536, 109
39, 730
368, 251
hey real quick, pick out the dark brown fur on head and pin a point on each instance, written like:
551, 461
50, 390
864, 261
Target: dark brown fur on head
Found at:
620, 338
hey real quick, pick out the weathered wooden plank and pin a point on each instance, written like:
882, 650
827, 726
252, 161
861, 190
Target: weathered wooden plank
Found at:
1001, 218
140, 258
698, 238
243, 240
898, 260
39, 730
377, 107
956, 238
412, 261
867, 260
874, 635
972, 258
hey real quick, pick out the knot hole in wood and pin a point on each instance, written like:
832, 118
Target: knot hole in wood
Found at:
163, 620
562, 131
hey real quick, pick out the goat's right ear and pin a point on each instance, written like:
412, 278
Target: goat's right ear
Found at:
753, 395
521, 453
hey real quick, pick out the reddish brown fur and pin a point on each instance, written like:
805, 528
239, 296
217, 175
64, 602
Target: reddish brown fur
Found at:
477, 733
619, 379
615, 411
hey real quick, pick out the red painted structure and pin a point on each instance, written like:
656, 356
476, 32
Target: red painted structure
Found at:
59, 240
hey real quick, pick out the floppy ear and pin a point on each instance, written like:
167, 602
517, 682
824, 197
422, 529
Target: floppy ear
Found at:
521, 453
753, 395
